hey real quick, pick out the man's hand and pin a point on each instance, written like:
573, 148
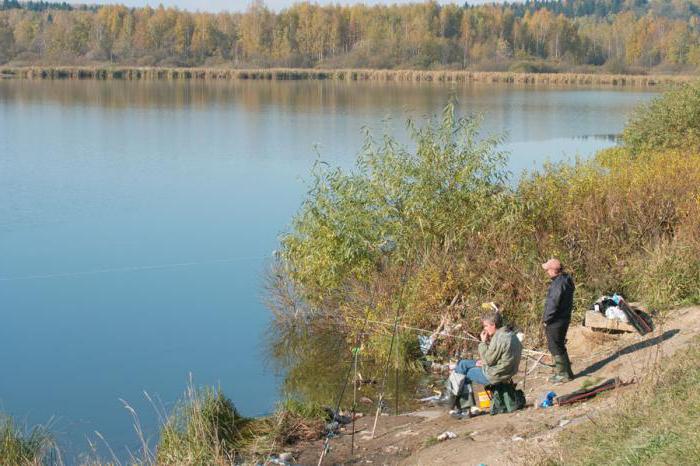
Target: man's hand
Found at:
484, 336
479, 363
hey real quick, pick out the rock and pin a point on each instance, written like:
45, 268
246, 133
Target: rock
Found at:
447, 435
286, 456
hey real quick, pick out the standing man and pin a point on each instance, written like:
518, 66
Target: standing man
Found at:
557, 315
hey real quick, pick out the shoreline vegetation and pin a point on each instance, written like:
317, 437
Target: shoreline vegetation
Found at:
431, 231
462, 232
541, 36
293, 74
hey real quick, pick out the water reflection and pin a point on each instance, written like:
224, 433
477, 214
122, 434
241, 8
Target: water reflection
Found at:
614, 138
318, 365
525, 114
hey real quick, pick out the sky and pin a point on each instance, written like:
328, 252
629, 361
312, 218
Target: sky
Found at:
240, 5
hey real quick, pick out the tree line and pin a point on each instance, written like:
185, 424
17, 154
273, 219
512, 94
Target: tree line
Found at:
39, 6
531, 36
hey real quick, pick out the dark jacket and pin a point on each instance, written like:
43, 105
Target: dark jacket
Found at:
560, 299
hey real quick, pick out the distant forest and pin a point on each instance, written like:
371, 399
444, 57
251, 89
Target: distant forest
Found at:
575, 35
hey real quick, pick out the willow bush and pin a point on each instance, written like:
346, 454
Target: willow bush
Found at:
671, 121
418, 200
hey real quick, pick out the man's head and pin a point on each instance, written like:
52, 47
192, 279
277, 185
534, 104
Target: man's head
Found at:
491, 322
552, 267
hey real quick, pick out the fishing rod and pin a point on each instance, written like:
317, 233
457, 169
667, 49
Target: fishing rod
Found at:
469, 336
353, 365
394, 334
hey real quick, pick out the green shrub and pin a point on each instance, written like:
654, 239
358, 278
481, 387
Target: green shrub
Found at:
419, 199
405, 351
19, 448
671, 121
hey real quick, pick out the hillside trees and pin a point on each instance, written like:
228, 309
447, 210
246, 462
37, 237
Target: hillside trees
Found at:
7, 40
422, 35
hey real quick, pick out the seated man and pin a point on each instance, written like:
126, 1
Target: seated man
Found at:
499, 352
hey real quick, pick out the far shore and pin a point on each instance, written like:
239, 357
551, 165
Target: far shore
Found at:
287, 74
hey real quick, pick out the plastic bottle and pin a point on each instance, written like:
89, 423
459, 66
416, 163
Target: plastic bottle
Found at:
548, 400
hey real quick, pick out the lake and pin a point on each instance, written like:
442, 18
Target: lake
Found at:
137, 220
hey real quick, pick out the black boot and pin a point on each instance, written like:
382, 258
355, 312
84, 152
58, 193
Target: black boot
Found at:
567, 366
562, 370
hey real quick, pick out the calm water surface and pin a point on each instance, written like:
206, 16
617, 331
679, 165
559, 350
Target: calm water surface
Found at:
136, 219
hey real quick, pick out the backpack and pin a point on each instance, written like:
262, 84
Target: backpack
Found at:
506, 398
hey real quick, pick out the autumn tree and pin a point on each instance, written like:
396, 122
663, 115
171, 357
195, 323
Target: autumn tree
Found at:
618, 34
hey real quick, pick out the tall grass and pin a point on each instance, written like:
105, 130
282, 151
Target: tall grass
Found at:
445, 76
205, 428
666, 276
20, 448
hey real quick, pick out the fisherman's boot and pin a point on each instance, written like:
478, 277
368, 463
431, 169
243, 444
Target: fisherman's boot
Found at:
567, 366
562, 370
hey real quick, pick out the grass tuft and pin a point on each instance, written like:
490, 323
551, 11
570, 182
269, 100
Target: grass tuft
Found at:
205, 428
35, 447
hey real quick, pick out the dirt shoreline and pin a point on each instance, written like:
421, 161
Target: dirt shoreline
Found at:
503, 439
289, 74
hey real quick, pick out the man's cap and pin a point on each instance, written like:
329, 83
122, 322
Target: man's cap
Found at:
552, 264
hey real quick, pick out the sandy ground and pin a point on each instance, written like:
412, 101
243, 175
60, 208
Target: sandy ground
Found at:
500, 440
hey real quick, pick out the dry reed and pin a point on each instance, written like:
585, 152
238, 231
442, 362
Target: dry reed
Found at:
288, 74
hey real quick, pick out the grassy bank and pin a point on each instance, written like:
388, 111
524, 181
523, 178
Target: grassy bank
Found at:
654, 424
204, 428
282, 74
